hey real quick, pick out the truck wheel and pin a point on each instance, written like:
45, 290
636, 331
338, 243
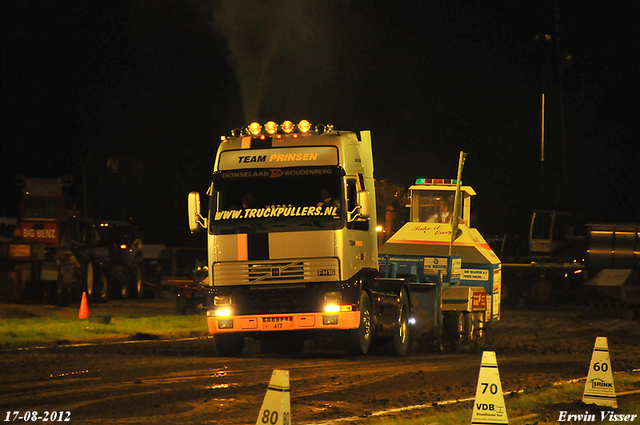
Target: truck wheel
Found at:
401, 339
453, 326
469, 324
103, 289
359, 340
97, 285
229, 345
122, 284
137, 280
477, 336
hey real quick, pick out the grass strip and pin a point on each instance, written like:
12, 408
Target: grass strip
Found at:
20, 333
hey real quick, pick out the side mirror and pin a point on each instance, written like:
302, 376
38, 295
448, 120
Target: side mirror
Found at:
196, 221
364, 204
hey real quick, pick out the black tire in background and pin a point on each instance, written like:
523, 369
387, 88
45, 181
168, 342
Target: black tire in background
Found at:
452, 327
136, 275
97, 284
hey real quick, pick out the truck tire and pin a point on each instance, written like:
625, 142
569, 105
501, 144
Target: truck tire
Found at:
136, 275
453, 327
359, 340
468, 328
123, 289
476, 331
119, 281
97, 285
464, 329
401, 340
229, 345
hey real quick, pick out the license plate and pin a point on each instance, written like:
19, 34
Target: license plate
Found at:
277, 326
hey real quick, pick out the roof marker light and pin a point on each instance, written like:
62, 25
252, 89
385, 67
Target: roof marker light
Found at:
437, 181
255, 128
271, 127
287, 126
304, 126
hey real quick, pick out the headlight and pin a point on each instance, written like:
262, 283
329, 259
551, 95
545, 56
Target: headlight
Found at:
223, 312
335, 308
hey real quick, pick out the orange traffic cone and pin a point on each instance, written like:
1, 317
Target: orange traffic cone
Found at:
84, 307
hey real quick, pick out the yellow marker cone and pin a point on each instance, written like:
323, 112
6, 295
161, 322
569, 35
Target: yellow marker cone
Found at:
599, 389
489, 407
276, 407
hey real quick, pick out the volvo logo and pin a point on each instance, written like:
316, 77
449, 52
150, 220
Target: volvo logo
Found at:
275, 271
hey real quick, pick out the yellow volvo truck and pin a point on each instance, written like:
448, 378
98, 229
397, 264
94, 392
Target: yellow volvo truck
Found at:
292, 246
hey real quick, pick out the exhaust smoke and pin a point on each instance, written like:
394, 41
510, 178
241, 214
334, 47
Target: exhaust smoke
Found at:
280, 50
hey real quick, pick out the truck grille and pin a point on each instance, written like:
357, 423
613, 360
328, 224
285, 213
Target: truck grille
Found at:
274, 272
293, 299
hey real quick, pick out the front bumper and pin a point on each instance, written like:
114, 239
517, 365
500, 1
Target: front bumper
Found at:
282, 322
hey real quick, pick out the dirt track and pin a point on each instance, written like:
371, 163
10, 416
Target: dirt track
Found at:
184, 382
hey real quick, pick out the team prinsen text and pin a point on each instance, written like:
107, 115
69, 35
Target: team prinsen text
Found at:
608, 416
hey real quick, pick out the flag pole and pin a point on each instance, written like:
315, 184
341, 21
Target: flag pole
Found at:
456, 205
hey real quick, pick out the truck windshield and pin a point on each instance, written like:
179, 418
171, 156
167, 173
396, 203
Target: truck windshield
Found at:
283, 204
432, 206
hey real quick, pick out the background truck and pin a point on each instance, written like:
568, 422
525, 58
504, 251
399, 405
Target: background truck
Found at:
41, 261
116, 266
547, 266
54, 254
293, 249
594, 265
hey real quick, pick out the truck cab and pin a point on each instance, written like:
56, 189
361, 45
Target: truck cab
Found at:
292, 244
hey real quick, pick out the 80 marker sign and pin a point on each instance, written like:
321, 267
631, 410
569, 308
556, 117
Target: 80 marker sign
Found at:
270, 417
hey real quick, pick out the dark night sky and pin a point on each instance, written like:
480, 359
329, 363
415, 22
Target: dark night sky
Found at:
83, 82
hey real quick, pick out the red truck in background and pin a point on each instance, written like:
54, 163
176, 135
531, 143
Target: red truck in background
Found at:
39, 262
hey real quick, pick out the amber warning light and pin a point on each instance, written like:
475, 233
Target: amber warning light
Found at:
271, 128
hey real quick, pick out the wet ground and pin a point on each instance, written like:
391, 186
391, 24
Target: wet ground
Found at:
165, 382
